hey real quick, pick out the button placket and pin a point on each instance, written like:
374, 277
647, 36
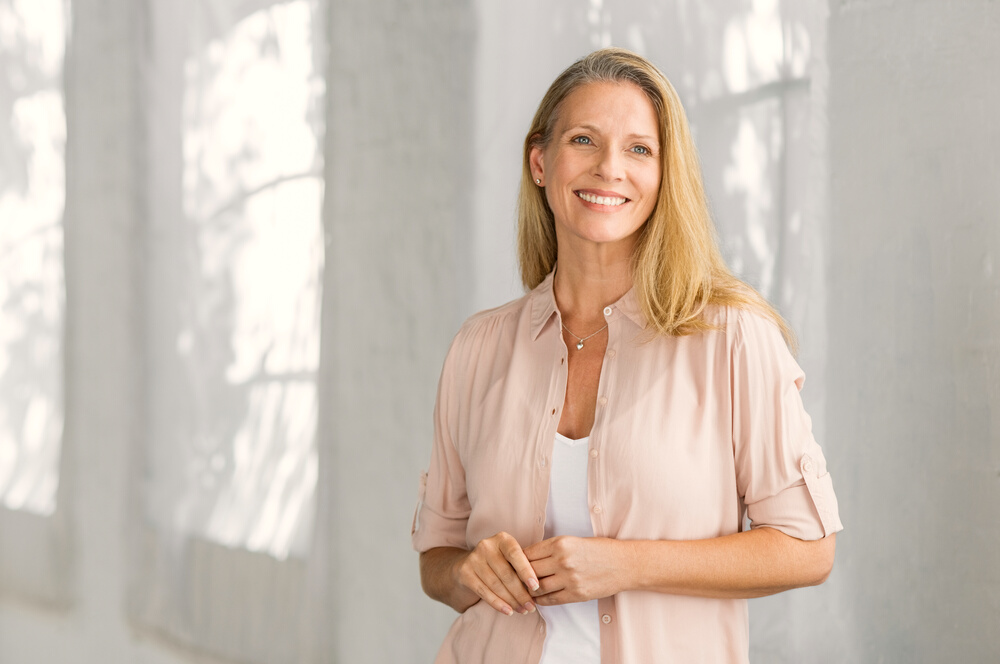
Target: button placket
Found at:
543, 459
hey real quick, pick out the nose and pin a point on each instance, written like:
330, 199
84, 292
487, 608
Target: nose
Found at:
609, 165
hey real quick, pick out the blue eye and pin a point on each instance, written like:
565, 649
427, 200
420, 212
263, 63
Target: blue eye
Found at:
640, 149
582, 140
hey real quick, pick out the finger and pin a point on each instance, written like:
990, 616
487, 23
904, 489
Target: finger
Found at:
477, 575
522, 566
483, 590
539, 550
510, 589
555, 598
545, 567
549, 585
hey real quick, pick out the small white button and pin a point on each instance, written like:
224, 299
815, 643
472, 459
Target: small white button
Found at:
542, 462
606, 619
611, 353
597, 509
603, 401
593, 454
607, 311
807, 466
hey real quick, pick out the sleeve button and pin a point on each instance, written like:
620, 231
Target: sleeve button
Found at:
606, 619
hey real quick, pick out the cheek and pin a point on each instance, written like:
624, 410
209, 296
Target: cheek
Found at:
652, 186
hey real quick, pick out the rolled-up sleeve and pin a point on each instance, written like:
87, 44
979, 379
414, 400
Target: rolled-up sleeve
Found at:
781, 472
442, 511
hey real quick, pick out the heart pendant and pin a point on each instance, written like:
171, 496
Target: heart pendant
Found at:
579, 346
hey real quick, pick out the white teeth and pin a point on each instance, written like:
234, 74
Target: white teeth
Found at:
601, 200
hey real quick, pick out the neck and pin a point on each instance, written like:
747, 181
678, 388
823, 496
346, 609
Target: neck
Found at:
583, 288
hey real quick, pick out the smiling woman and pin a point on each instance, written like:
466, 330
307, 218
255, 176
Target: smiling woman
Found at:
601, 170
601, 493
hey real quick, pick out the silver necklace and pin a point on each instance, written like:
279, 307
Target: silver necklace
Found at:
579, 345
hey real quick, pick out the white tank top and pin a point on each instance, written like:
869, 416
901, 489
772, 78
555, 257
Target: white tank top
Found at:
573, 634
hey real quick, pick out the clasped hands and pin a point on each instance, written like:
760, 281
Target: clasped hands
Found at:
558, 570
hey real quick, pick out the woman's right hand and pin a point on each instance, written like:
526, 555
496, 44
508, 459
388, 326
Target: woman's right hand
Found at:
498, 572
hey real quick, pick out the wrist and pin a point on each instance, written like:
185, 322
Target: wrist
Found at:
635, 560
462, 596
627, 562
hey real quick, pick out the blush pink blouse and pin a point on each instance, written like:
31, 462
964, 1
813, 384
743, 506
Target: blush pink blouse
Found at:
690, 435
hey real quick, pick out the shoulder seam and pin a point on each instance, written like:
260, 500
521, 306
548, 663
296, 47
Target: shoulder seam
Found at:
504, 310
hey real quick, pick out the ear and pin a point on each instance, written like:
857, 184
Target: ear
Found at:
536, 160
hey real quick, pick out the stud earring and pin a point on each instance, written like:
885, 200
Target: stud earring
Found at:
537, 181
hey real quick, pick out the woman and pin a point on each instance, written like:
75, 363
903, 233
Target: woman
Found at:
600, 441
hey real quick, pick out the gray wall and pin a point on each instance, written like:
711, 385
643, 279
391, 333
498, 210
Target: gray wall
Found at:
914, 328
397, 209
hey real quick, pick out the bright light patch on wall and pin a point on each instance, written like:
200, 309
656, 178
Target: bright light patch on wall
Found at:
32, 192
249, 339
761, 113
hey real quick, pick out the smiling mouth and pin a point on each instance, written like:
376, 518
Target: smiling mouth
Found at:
611, 201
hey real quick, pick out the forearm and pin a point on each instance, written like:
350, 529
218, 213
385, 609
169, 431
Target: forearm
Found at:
760, 562
437, 576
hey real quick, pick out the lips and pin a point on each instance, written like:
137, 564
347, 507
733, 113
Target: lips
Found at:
610, 200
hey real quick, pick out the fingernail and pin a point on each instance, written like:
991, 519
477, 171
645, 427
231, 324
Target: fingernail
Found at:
507, 611
533, 584
529, 608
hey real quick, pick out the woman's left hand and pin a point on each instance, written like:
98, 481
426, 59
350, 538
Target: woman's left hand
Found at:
577, 569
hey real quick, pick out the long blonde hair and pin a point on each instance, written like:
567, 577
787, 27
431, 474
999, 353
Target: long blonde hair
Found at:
677, 268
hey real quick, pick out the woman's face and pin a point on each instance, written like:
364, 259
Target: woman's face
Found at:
601, 168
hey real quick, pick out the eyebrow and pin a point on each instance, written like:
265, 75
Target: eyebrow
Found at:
590, 127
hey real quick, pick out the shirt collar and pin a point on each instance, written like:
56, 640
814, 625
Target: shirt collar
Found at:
543, 307
629, 305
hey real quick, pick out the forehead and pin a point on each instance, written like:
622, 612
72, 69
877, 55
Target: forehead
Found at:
610, 106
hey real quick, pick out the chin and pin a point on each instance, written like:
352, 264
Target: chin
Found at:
610, 236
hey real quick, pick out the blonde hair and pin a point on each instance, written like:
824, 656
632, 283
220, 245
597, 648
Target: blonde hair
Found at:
677, 268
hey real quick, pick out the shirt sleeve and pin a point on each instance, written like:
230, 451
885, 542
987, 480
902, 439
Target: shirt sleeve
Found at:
443, 508
780, 469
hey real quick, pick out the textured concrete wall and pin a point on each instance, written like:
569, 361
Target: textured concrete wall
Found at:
914, 328
104, 174
399, 189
